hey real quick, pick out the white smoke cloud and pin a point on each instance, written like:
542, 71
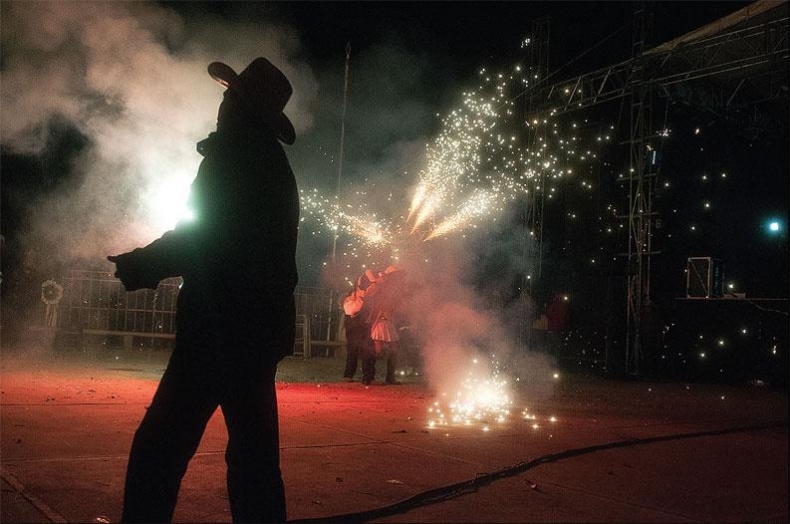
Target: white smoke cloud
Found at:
132, 78
464, 331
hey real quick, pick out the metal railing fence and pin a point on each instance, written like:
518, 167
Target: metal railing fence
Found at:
95, 302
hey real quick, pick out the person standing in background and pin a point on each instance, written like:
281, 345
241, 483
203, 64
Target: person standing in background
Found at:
356, 328
384, 296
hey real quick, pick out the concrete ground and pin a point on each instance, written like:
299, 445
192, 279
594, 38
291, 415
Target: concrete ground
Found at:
613, 452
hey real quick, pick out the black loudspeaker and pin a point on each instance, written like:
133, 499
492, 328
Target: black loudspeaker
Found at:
704, 278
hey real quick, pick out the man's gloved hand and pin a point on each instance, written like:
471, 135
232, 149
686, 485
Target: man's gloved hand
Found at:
133, 276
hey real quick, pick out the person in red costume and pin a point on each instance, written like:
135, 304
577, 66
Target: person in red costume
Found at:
384, 300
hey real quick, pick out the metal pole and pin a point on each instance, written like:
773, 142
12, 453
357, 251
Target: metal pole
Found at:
337, 187
640, 183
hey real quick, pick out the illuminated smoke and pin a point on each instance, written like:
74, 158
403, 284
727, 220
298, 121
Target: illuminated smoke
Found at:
473, 360
483, 160
131, 77
486, 157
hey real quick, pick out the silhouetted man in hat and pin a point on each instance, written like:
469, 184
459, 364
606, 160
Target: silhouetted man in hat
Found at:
236, 316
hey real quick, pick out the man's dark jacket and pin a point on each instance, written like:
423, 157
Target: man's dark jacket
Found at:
237, 255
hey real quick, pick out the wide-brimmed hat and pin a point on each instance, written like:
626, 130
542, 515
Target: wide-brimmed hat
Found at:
264, 90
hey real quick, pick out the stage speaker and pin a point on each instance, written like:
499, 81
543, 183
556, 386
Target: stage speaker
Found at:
704, 278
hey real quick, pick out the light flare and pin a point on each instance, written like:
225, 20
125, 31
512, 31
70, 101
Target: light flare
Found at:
166, 203
481, 400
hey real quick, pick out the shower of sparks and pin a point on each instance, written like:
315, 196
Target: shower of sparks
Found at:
354, 221
483, 399
478, 204
488, 154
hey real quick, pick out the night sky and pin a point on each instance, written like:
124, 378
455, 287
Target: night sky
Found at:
410, 64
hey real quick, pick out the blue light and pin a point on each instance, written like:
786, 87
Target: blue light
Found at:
775, 227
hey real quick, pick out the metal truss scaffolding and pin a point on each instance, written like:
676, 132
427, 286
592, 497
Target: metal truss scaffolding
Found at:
752, 51
730, 67
640, 188
539, 72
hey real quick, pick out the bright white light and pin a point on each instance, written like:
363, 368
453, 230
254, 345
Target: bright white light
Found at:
774, 226
167, 203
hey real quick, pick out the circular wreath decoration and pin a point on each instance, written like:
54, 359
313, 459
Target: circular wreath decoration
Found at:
51, 292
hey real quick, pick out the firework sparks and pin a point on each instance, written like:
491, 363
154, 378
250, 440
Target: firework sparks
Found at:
483, 399
487, 155
355, 221
475, 206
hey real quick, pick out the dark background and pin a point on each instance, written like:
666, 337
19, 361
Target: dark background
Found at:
454, 39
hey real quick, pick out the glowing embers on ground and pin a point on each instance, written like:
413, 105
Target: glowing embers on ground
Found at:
484, 400
481, 400
533, 420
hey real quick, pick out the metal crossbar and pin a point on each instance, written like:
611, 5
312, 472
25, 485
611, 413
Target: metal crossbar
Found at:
95, 303
96, 300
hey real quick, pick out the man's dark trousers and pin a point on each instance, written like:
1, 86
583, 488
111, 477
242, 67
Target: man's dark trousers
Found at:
198, 379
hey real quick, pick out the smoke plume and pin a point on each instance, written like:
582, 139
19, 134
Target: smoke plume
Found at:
131, 78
